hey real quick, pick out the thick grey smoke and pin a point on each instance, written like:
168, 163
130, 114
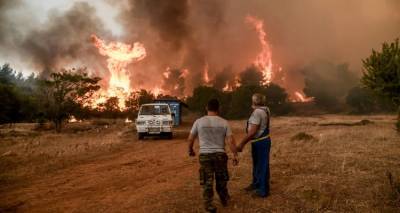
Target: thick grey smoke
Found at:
166, 30
8, 33
65, 39
188, 34
224, 78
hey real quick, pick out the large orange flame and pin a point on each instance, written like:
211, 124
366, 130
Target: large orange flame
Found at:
119, 56
206, 78
300, 97
264, 58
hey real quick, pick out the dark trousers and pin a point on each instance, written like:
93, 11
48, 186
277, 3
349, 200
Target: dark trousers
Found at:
214, 165
260, 154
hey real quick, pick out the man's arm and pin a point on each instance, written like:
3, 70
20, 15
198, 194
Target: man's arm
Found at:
253, 128
232, 146
191, 139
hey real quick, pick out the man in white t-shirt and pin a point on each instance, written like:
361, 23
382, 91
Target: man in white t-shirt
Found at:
212, 132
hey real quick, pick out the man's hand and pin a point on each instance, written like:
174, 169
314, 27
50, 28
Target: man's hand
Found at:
191, 153
190, 145
235, 160
240, 147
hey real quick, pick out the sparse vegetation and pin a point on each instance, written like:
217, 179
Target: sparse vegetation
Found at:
358, 123
66, 92
302, 136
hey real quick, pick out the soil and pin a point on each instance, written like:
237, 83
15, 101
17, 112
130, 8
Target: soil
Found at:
101, 167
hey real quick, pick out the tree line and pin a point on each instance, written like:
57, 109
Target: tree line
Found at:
334, 88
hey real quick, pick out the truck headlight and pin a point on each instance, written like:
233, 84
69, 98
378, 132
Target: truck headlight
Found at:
140, 123
166, 123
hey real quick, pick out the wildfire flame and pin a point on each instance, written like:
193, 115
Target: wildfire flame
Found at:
302, 98
119, 55
264, 58
157, 91
227, 88
206, 78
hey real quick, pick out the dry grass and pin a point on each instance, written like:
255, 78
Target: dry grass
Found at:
102, 168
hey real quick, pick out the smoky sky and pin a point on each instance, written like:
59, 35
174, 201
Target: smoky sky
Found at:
65, 38
188, 34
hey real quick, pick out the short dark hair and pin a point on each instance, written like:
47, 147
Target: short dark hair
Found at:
213, 105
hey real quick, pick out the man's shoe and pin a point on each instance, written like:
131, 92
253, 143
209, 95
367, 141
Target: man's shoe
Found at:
211, 209
249, 188
225, 201
258, 195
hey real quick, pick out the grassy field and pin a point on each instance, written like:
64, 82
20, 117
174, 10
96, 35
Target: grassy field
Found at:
328, 163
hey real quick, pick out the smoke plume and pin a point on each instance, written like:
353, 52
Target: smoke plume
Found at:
65, 39
190, 35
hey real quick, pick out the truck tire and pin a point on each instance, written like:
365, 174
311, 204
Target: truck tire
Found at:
140, 136
169, 135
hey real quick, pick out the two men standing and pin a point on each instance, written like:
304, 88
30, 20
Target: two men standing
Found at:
212, 132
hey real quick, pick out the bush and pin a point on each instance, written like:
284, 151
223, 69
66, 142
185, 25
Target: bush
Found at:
328, 83
302, 136
237, 103
363, 100
202, 94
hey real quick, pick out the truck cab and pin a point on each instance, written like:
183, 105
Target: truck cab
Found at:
154, 119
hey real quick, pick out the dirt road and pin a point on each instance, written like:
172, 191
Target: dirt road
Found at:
89, 168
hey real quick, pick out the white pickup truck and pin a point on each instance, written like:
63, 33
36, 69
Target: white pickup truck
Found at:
154, 119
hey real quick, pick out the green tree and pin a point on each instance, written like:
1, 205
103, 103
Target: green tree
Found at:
382, 73
145, 97
66, 92
110, 108
17, 95
277, 100
135, 100
240, 106
201, 95
10, 104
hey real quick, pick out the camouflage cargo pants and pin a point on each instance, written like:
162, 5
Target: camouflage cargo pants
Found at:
214, 165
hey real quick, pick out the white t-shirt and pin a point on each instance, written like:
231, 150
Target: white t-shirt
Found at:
259, 117
211, 131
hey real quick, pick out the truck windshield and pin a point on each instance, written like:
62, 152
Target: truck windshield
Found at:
154, 110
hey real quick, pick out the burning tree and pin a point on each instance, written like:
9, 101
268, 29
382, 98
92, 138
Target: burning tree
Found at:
264, 58
119, 55
135, 100
251, 76
382, 73
66, 92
